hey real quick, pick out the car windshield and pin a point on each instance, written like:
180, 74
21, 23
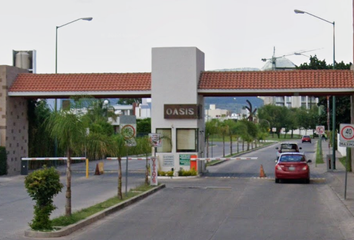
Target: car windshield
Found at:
291, 158
288, 147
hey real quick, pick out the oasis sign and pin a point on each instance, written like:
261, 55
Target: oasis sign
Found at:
181, 111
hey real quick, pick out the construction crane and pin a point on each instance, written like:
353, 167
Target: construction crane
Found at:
273, 59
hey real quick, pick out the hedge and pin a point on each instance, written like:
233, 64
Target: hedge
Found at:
3, 161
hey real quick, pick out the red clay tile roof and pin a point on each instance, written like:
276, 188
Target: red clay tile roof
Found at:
28, 82
294, 79
217, 82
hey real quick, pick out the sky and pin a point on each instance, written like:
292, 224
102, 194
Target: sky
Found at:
119, 39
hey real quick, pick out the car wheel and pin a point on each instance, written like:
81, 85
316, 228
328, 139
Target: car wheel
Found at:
277, 180
307, 180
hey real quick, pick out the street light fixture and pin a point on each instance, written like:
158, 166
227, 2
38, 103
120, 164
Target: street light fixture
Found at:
56, 38
56, 59
333, 97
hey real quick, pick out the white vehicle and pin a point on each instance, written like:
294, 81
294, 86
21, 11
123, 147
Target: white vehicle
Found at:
287, 147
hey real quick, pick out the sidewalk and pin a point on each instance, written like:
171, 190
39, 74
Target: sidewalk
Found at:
336, 178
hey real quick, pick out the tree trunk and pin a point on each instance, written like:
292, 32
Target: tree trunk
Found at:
231, 145
120, 195
237, 146
147, 171
207, 145
68, 184
223, 146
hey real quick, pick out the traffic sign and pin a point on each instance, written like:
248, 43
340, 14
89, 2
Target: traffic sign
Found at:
320, 130
155, 139
346, 137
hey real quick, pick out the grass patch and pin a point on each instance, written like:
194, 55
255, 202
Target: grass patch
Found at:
343, 160
319, 153
87, 212
213, 162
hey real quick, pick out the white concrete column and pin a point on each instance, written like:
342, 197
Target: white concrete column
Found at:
174, 80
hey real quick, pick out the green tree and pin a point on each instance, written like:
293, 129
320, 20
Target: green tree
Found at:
143, 126
39, 142
232, 126
3, 161
211, 128
224, 131
129, 101
42, 185
251, 134
98, 127
293, 122
240, 131
342, 114
119, 150
143, 146
276, 115
69, 130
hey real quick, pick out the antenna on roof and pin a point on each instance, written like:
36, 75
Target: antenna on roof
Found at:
274, 58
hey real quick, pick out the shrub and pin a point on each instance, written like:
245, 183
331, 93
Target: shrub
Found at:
183, 172
42, 185
3, 161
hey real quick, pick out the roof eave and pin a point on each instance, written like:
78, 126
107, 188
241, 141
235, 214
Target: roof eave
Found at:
278, 92
133, 94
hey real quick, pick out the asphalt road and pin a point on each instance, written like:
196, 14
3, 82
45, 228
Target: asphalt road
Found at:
217, 208
229, 203
16, 207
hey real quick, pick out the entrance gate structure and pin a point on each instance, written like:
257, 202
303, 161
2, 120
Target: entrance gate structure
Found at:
177, 85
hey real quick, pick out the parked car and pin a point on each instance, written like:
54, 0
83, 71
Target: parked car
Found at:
287, 147
292, 165
306, 138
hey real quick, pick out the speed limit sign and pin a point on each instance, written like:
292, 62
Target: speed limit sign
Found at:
320, 130
346, 138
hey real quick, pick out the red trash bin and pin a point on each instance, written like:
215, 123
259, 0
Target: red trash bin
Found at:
193, 163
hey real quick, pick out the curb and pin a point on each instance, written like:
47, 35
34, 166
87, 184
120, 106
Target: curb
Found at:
242, 153
85, 222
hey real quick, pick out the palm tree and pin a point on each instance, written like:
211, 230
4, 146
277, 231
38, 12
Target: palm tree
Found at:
119, 150
241, 130
232, 131
97, 121
69, 130
143, 146
224, 130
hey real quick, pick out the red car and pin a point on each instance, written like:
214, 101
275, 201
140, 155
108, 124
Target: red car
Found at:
292, 165
306, 138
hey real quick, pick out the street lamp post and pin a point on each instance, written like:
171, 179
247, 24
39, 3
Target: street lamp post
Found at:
56, 38
333, 97
56, 62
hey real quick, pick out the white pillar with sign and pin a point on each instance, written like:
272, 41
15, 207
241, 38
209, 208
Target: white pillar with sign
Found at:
177, 109
346, 139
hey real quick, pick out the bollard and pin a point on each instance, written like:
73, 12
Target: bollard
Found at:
329, 161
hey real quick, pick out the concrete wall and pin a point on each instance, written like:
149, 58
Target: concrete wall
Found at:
13, 121
174, 80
